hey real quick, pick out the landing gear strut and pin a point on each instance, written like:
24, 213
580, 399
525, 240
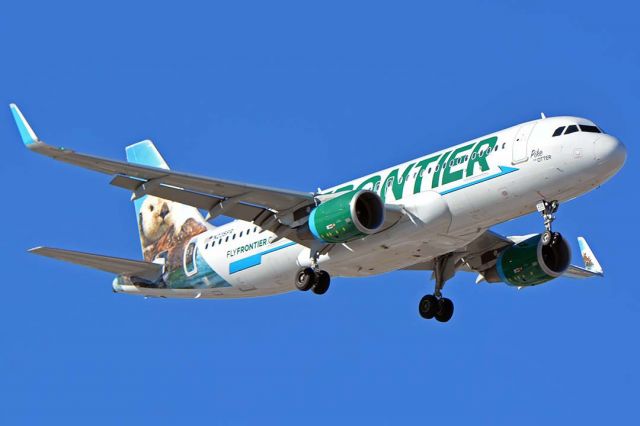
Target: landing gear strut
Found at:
434, 305
310, 279
548, 209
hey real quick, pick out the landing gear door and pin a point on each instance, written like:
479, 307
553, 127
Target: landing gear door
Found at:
520, 149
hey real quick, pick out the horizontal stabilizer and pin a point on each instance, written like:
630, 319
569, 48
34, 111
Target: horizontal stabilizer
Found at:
116, 265
591, 266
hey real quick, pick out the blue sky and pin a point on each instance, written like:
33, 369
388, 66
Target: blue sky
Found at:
305, 96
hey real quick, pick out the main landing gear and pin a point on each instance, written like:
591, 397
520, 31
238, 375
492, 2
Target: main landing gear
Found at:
434, 305
548, 209
310, 279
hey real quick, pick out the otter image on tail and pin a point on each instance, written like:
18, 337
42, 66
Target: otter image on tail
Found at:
167, 226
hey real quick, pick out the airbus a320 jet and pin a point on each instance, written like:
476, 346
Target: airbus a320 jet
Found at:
433, 213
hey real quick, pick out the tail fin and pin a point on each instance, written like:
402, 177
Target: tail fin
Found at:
591, 267
591, 263
164, 226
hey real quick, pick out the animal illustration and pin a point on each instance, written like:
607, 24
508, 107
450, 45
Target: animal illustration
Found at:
167, 226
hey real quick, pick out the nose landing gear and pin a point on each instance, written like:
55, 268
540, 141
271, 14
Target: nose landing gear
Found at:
548, 209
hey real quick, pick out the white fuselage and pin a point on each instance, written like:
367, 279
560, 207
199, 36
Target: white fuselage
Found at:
525, 164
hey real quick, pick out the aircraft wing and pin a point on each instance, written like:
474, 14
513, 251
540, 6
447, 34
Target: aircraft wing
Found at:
472, 257
271, 208
116, 265
481, 254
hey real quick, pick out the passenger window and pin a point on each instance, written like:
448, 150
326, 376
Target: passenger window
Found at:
590, 129
496, 148
558, 131
571, 129
429, 171
504, 145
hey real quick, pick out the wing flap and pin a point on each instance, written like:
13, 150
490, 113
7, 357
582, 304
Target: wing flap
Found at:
115, 265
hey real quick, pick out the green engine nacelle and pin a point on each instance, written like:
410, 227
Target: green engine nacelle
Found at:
346, 217
530, 263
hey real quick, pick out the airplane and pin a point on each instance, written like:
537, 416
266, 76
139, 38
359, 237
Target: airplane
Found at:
433, 213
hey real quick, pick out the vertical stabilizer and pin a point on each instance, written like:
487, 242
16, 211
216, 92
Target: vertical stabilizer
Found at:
591, 263
164, 226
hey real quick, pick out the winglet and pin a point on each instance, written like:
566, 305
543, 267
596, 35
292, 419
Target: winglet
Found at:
28, 135
591, 263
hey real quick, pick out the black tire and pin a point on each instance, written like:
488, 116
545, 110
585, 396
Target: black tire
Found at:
445, 312
428, 306
305, 279
546, 238
322, 283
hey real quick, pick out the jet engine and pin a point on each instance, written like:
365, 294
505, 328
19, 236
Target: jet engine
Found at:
530, 262
346, 217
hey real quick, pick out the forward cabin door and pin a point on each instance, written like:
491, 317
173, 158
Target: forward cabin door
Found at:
520, 150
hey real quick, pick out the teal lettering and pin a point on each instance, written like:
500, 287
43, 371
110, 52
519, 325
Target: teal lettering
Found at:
481, 160
441, 165
422, 165
450, 176
374, 180
344, 188
397, 185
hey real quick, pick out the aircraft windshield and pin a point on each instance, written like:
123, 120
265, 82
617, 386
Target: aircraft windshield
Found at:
565, 130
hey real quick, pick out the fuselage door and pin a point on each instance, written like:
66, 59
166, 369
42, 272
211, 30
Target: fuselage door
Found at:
520, 149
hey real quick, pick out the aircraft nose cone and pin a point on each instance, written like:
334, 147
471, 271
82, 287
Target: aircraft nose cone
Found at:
610, 152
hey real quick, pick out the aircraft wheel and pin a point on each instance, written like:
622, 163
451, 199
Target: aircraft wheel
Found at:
428, 306
305, 279
322, 283
445, 311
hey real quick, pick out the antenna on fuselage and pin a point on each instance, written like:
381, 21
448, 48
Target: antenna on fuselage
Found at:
542, 115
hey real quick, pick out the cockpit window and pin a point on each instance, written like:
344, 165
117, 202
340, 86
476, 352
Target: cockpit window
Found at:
571, 129
558, 131
590, 129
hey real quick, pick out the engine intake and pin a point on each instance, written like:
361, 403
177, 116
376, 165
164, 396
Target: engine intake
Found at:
530, 263
347, 217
